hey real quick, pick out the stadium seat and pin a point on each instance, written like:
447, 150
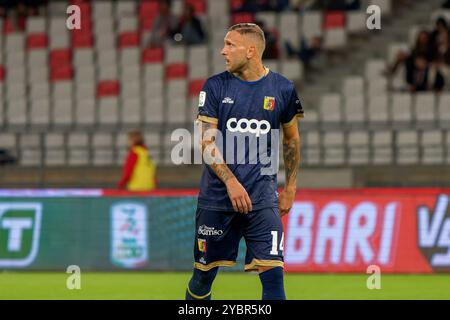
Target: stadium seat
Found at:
407, 147
62, 112
106, 57
17, 112
334, 148
102, 9
36, 24
62, 90
268, 18
16, 91
16, 77
382, 147
78, 149
39, 90
354, 109
125, 8
358, 147
174, 54
334, 39
129, 56
153, 55
330, 109
292, 69
16, 59
444, 110
15, 42
131, 73
432, 147
153, 73
130, 89
40, 111
8, 142
127, 24
154, 88
288, 28
131, 111
424, 109
107, 88
374, 69
108, 73
55, 153
30, 150
356, 22
36, 41
129, 39
108, 111
377, 87
334, 20
312, 151
353, 85
103, 149
154, 110
242, 17
401, 109
176, 71
37, 58
311, 25
85, 112
83, 57
85, 75
378, 113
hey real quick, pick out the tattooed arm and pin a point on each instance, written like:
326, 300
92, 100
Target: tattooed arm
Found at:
291, 155
211, 155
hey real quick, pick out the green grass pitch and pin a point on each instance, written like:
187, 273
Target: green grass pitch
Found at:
231, 285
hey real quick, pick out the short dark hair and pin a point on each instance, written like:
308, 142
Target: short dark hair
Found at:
250, 28
137, 137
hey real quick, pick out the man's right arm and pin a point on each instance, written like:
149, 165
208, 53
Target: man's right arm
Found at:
211, 155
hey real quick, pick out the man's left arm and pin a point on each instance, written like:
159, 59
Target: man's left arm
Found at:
291, 155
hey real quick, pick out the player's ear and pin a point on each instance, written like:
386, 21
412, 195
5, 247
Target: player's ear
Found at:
251, 51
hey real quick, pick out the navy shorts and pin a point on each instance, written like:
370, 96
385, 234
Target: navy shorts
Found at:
218, 234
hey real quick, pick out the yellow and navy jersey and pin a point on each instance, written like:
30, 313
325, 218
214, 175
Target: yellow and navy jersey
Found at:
252, 112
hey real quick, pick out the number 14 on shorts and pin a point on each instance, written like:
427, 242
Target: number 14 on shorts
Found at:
275, 245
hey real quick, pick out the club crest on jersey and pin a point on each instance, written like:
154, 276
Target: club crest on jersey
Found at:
269, 103
202, 245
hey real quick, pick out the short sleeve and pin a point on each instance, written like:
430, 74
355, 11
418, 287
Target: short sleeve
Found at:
293, 109
208, 104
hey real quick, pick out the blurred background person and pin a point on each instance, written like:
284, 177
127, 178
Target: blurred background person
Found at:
139, 171
164, 25
190, 27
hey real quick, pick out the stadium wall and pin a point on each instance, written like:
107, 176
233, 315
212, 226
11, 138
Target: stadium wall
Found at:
328, 230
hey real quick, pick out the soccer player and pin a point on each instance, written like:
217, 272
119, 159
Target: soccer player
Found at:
236, 199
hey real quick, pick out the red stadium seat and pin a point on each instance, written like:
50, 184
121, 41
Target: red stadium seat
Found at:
61, 73
242, 17
236, 4
129, 39
148, 10
153, 55
195, 86
108, 88
60, 57
8, 26
199, 6
334, 20
176, 71
2, 73
82, 40
37, 40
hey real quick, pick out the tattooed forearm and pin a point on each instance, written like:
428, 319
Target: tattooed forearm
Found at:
211, 154
291, 152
